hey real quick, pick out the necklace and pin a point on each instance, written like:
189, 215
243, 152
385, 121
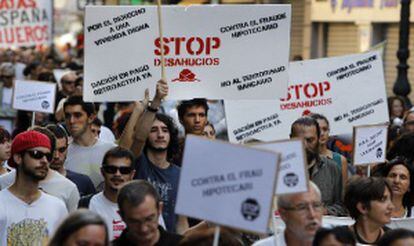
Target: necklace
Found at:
361, 240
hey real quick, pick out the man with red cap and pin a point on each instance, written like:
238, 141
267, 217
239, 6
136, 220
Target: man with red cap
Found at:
27, 215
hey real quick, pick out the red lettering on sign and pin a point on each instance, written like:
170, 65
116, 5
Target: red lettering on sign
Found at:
307, 91
17, 4
26, 34
190, 46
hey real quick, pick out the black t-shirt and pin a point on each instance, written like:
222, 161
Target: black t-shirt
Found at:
166, 183
358, 239
83, 182
166, 239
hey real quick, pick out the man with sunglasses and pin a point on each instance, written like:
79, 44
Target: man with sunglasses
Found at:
302, 214
54, 183
117, 169
29, 216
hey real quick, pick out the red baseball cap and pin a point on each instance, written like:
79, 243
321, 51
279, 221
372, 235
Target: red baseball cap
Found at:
27, 140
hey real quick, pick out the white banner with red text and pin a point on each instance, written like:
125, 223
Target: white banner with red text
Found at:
348, 90
215, 52
25, 23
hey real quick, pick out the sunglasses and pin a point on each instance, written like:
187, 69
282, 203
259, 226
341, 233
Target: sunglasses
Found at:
114, 169
36, 154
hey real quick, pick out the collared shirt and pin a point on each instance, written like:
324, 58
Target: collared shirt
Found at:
326, 175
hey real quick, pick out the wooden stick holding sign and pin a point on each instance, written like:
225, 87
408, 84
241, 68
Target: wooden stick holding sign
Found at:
161, 39
216, 236
370, 144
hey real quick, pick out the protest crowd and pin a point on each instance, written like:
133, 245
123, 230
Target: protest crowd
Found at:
108, 173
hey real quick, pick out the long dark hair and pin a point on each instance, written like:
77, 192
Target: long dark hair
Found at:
384, 169
172, 148
76, 221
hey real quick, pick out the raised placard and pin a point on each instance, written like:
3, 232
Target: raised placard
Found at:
348, 90
227, 184
34, 96
370, 144
215, 52
292, 176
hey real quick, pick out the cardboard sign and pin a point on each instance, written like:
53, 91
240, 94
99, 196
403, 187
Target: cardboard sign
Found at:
215, 52
234, 186
370, 144
348, 90
25, 23
292, 176
34, 96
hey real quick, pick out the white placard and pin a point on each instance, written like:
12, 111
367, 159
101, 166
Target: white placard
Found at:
348, 90
370, 144
25, 23
234, 186
292, 176
215, 52
34, 96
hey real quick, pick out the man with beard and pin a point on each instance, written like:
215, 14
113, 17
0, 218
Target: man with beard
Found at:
155, 142
322, 171
27, 215
302, 214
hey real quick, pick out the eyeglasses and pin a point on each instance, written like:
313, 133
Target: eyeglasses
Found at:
62, 150
114, 169
68, 82
303, 207
36, 154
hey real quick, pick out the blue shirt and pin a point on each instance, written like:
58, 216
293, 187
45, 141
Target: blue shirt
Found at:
165, 182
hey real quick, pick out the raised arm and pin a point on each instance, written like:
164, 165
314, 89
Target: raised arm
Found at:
144, 123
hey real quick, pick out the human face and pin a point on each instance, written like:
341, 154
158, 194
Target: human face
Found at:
59, 156
34, 168
324, 127
380, 211
310, 136
209, 132
114, 181
69, 83
399, 178
304, 216
5, 150
330, 240
159, 136
409, 122
96, 130
90, 235
142, 221
77, 120
397, 108
194, 120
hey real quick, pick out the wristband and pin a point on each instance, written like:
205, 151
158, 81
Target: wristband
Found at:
154, 110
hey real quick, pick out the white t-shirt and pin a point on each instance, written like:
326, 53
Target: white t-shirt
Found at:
88, 160
57, 185
110, 212
270, 241
29, 224
106, 134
